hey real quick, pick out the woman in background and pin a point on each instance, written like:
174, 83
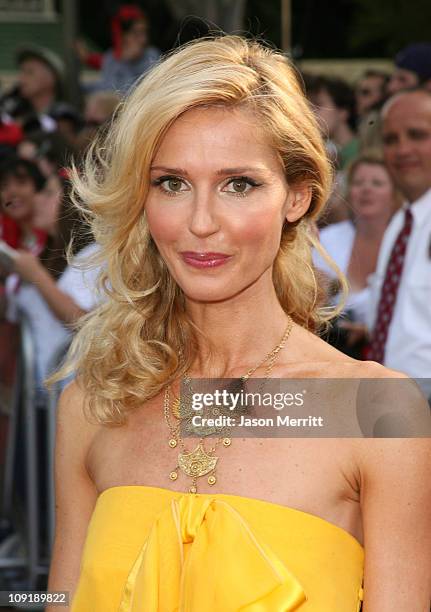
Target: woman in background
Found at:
51, 294
354, 244
20, 183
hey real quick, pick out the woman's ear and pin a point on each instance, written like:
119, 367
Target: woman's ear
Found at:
298, 202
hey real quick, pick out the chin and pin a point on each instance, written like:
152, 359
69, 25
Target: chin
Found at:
370, 212
205, 291
411, 189
212, 295
19, 217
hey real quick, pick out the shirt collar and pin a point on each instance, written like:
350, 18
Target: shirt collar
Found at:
421, 208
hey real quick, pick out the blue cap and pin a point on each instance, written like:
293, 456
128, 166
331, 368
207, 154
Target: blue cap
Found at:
417, 58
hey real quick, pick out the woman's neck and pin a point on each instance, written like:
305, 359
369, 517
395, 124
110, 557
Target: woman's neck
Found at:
372, 228
241, 330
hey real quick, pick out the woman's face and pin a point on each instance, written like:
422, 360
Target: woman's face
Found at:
217, 202
17, 195
47, 206
371, 191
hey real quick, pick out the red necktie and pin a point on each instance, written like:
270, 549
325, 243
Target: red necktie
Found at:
388, 294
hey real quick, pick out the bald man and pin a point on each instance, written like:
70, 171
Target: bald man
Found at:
400, 305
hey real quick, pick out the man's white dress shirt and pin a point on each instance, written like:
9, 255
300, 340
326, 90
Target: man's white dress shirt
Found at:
408, 345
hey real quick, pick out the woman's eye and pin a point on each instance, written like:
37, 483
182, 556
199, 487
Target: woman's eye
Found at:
240, 186
170, 184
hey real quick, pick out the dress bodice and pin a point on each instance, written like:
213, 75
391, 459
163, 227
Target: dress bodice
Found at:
150, 549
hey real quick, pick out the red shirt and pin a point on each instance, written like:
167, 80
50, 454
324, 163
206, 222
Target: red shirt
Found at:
11, 233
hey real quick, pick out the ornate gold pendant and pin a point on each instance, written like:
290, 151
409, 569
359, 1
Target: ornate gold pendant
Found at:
198, 462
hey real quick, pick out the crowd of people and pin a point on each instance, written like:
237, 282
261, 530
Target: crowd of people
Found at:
41, 231
40, 135
379, 136
377, 226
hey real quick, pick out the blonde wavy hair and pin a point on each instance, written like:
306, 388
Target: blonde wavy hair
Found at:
127, 349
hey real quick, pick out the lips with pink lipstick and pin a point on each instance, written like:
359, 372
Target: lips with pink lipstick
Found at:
204, 259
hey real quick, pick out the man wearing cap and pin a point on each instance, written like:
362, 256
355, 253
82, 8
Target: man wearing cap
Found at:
412, 68
400, 305
39, 88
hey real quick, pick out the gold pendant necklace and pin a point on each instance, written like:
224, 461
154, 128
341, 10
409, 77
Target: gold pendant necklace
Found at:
194, 464
197, 463
200, 461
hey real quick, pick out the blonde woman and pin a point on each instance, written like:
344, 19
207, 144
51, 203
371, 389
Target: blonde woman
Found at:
201, 199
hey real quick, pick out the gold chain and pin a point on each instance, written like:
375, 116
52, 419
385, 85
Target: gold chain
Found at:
200, 461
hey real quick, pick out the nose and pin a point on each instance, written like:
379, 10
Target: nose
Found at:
403, 147
203, 221
366, 189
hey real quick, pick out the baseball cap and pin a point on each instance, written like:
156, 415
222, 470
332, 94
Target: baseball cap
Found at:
416, 58
46, 56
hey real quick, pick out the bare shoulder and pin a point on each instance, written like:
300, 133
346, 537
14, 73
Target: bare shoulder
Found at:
75, 493
72, 412
401, 416
328, 360
372, 369
387, 402
342, 365
72, 395
380, 454
75, 426
391, 405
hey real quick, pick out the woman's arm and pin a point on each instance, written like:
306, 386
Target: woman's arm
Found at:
75, 492
396, 510
62, 305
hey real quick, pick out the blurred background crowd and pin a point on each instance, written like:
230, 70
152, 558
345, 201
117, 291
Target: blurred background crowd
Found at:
53, 102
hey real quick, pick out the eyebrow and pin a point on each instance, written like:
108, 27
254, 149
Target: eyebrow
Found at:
222, 172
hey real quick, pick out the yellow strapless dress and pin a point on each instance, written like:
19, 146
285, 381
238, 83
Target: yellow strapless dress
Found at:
150, 549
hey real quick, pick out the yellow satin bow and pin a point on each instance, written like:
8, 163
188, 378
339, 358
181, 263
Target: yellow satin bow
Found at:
201, 556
